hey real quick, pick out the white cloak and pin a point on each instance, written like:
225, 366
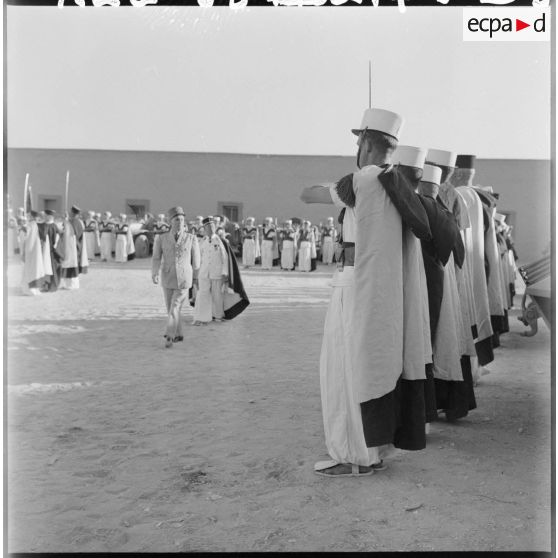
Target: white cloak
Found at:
473, 240
379, 306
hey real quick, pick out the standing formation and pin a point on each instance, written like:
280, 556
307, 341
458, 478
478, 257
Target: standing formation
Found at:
420, 296
53, 251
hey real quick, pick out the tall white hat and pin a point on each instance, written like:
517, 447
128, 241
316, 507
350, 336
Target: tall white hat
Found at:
409, 156
381, 120
441, 157
431, 173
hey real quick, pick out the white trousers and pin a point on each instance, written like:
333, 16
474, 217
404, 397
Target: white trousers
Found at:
344, 434
267, 254
91, 243
209, 300
248, 252
121, 248
174, 299
287, 255
327, 250
305, 256
106, 246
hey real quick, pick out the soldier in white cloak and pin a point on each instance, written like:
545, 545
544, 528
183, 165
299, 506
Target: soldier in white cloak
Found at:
32, 256
453, 344
106, 227
473, 240
288, 242
11, 223
121, 246
386, 335
306, 246
250, 247
410, 160
452, 340
329, 237
72, 250
268, 240
91, 235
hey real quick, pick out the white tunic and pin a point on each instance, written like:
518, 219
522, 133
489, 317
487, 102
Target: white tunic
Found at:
214, 258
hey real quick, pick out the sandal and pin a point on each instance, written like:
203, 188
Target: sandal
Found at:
346, 470
380, 466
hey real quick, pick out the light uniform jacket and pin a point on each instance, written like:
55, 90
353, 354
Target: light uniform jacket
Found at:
214, 258
176, 258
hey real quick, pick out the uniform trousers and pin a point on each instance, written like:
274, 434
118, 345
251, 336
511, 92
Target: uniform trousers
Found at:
106, 246
174, 299
209, 300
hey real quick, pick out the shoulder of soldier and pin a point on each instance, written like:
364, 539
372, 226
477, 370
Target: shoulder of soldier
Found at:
370, 171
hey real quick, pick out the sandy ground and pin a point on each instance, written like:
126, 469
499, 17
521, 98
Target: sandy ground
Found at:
117, 444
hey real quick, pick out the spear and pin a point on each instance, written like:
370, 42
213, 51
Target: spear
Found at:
67, 189
25, 189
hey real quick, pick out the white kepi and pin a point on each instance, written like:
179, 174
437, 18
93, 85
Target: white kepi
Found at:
409, 156
441, 157
381, 120
432, 174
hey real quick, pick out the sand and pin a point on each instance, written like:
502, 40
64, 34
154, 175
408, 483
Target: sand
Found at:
118, 444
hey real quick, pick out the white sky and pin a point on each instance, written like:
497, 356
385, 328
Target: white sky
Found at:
268, 80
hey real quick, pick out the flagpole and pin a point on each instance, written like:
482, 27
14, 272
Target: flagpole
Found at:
67, 189
369, 83
25, 193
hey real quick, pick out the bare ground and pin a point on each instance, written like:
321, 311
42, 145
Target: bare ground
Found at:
117, 444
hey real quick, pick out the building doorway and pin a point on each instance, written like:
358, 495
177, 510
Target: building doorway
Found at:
50, 202
231, 210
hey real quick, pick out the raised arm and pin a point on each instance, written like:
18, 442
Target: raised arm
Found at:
316, 194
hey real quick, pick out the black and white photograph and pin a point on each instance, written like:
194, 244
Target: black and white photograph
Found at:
277, 276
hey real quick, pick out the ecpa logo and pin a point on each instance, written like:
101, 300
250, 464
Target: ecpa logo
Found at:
506, 24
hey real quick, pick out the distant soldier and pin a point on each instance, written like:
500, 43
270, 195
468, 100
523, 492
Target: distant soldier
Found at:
32, 255
306, 247
329, 236
106, 227
50, 255
288, 239
249, 243
268, 240
74, 260
91, 234
121, 231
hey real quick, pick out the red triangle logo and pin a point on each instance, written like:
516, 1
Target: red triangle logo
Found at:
519, 25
